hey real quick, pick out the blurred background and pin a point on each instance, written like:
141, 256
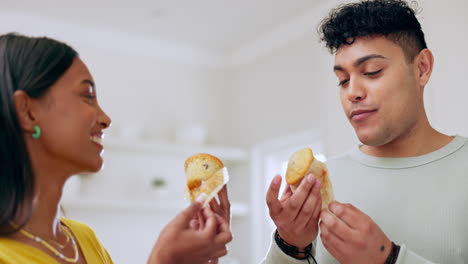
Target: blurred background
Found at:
247, 81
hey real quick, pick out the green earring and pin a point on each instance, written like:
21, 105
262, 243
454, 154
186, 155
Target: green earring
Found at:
37, 132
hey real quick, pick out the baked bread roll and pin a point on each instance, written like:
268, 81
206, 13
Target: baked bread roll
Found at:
301, 163
205, 174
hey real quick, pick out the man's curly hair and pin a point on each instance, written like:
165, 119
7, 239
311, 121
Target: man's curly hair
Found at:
394, 19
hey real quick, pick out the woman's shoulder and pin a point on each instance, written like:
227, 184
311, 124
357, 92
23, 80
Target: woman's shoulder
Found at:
76, 225
94, 251
12, 251
82, 231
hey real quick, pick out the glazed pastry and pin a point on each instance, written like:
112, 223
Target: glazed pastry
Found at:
301, 163
205, 174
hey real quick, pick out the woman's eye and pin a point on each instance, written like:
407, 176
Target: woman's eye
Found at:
89, 97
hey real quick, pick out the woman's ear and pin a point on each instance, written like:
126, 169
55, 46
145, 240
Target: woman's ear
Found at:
424, 63
24, 111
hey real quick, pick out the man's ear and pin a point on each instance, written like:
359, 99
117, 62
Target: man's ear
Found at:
24, 111
424, 63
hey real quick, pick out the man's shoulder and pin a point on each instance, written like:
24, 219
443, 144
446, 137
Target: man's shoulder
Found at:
464, 140
340, 159
462, 146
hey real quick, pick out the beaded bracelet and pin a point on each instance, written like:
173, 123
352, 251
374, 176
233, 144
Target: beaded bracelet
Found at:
392, 258
293, 251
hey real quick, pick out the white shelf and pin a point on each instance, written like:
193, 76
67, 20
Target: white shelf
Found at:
237, 209
159, 147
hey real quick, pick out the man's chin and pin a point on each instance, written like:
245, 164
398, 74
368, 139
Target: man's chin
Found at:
370, 140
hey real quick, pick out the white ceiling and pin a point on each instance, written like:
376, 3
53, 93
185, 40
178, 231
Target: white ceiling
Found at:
215, 25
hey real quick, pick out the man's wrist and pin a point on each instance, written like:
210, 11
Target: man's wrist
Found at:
393, 256
291, 250
291, 240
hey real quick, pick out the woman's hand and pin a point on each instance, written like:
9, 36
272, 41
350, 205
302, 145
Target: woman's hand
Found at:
180, 243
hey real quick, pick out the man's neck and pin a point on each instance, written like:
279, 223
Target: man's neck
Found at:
415, 143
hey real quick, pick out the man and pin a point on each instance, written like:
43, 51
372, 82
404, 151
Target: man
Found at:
404, 186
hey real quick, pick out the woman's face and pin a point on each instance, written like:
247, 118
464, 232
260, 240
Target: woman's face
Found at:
72, 122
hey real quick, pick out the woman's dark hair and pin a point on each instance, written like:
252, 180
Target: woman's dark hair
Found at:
30, 64
394, 19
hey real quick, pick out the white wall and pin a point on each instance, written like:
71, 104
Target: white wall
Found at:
156, 95
144, 83
290, 89
445, 24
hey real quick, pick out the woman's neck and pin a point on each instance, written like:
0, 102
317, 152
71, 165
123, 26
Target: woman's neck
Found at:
45, 218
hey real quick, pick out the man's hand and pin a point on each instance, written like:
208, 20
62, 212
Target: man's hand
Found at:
352, 236
296, 215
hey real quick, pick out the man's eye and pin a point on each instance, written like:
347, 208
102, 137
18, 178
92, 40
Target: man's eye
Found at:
342, 82
373, 73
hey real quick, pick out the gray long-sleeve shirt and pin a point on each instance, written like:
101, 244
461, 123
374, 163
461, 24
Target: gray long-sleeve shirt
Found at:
421, 203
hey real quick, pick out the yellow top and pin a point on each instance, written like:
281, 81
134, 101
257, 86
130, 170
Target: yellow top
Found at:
14, 252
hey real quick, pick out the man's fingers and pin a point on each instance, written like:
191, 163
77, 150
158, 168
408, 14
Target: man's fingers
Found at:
346, 213
313, 221
297, 200
332, 243
310, 206
286, 193
337, 227
272, 196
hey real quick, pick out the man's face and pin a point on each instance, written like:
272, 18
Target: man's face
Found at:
378, 89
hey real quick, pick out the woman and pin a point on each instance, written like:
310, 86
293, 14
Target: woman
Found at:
51, 127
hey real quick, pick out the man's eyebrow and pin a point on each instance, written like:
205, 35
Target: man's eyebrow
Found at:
366, 58
360, 61
337, 68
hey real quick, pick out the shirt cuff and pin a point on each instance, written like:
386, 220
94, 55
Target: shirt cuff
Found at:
408, 257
